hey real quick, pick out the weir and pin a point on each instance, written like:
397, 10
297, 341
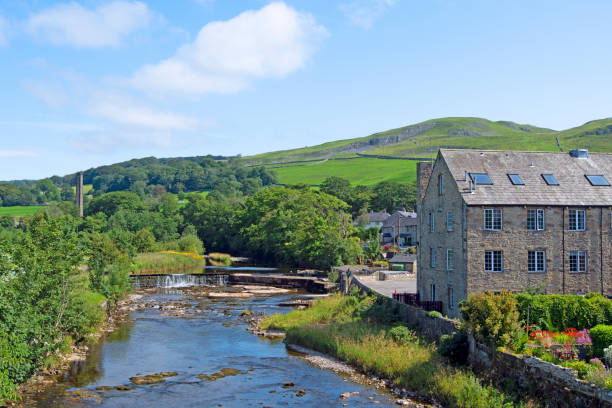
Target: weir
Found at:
178, 280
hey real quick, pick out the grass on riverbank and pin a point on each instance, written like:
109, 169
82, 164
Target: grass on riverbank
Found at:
164, 262
340, 326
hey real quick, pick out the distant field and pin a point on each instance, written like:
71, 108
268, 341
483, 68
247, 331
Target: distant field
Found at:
21, 210
86, 188
364, 171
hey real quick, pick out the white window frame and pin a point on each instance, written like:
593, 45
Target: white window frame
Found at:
538, 218
539, 261
432, 291
492, 263
576, 225
432, 222
491, 216
450, 259
449, 221
432, 257
581, 264
451, 298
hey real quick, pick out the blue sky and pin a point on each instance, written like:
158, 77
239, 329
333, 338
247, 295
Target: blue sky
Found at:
87, 82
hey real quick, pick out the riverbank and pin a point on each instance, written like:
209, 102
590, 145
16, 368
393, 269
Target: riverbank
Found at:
359, 331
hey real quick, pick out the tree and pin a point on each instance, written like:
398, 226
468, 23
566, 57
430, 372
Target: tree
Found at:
110, 203
390, 196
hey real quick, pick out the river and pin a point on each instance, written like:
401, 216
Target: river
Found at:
210, 337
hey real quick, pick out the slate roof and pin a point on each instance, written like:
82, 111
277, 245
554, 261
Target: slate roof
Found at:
378, 216
402, 258
406, 219
573, 190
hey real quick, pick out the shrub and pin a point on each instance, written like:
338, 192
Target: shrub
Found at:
434, 314
191, 243
493, 318
402, 335
455, 346
582, 367
601, 336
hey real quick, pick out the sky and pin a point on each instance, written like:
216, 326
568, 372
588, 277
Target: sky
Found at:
91, 82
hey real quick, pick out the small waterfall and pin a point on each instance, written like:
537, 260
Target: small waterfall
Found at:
178, 280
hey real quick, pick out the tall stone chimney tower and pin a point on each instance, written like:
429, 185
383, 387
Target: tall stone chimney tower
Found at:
79, 192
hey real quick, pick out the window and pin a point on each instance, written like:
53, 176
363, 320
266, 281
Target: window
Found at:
449, 221
536, 220
493, 261
451, 299
597, 180
481, 178
432, 222
536, 261
516, 179
450, 261
440, 184
432, 257
550, 179
578, 262
577, 220
433, 292
493, 219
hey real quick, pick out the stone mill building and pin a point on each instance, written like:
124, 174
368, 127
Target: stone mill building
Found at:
510, 220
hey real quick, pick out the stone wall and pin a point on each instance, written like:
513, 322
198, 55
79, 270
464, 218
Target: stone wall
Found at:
559, 386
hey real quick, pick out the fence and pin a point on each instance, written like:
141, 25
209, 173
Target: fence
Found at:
413, 300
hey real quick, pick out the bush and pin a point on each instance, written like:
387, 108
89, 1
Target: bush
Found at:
601, 336
455, 347
191, 243
493, 318
560, 312
434, 314
582, 367
401, 335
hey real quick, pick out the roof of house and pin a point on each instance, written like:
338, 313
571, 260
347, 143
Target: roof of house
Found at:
401, 258
378, 216
405, 219
573, 188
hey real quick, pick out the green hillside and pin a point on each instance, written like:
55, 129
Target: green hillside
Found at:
423, 140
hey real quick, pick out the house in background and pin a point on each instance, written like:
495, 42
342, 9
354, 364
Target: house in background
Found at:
400, 229
376, 219
506, 220
403, 262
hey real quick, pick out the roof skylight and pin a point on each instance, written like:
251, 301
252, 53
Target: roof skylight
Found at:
597, 180
516, 179
481, 178
550, 179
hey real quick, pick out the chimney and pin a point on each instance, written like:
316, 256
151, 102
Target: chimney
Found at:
424, 170
579, 153
79, 192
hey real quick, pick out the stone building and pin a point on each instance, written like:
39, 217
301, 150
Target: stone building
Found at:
400, 229
508, 220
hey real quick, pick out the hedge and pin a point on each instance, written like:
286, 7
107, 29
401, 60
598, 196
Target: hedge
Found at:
559, 312
601, 336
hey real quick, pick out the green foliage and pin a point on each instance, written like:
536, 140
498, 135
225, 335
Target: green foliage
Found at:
559, 312
160, 262
434, 314
455, 347
191, 243
298, 227
402, 335
601, 336
493, 318
110, 203
372, 250
144, 241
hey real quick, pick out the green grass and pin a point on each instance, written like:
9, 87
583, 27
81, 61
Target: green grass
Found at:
340, 326
18, 210
161, 262
364, 171
86, 188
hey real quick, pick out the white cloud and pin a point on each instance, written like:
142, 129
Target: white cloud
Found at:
363, 13
123, 111
268, 43
17, 153
51, 94
75, 25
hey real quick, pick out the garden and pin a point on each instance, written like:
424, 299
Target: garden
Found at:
567, 330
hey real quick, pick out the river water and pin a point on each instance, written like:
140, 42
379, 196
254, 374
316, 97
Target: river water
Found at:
154, 341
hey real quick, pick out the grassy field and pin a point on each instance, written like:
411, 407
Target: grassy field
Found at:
350, 329
86, 188
18, 210
364, 171
164, 262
